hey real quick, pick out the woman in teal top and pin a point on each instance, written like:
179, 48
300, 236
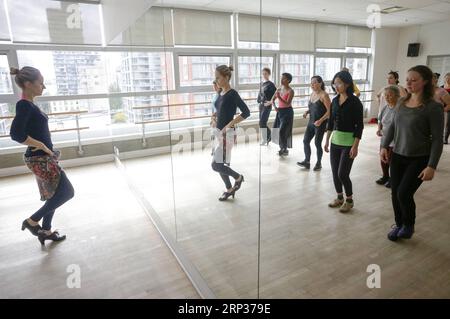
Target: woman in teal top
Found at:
345, 128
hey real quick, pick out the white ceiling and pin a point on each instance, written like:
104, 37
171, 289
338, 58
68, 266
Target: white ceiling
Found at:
339, 11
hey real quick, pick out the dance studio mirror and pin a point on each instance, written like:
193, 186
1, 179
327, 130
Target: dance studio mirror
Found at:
200, 139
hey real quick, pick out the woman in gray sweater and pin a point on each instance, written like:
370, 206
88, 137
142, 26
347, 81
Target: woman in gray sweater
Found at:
417, 135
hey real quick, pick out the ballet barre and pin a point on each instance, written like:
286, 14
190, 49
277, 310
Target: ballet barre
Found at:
77, 127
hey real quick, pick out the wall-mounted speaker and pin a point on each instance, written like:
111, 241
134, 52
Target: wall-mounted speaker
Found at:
413, 49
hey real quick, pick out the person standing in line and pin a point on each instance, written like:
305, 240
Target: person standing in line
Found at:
346, 127
417, 134
385, 118
213, 121
319, 111
30, 127
356, 90
226, 105
392, 79
446, 86
442, 97
266, 92
285, 113
440, 94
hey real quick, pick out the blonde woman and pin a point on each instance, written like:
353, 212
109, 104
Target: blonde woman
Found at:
226, 105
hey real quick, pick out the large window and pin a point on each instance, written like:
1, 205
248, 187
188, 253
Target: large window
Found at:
250, 68
327, 67
299, 65
199, 70
5, 78
357, 67
93, 72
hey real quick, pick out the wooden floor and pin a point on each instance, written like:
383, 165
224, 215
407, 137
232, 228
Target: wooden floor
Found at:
307, 249
119, 252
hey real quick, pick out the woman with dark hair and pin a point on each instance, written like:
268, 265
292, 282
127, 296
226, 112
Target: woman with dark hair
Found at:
30, 127
226, 105
392, 79
346, 125
417, 134
318, 111
285, 114
266, 92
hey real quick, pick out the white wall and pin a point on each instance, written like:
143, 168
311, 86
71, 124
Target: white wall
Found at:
433, 39
390, 46
384, 55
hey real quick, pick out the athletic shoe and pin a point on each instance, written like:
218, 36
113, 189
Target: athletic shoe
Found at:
336, 203
406, 232
393, 234
346, 207
304, 164
317, 167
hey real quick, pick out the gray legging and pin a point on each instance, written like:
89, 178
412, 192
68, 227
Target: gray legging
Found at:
341, 165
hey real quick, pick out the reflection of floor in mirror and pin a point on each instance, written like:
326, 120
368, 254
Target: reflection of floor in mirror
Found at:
307, 249
119, 252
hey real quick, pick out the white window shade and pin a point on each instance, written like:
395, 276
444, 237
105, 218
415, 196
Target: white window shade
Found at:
255, 29
153, 28
55, 22
296, 35
330, 36
359, 37
4, 32
202, 28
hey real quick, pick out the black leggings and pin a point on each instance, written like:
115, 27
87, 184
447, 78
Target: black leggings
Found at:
447, 128
63, 193
225, 172
311, 132
404, 182
341, 165
284, 122
264, 113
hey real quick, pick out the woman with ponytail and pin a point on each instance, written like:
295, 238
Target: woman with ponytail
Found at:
30, 127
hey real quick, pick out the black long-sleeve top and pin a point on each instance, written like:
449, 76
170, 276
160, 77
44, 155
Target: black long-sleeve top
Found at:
227, 105
266, 92
347, 117
30, 121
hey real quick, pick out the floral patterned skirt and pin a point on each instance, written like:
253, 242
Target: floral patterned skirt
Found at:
47, 172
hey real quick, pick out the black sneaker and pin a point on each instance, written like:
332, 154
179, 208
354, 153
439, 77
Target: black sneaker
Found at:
406, 232
383, 180
393, 234
304, 164
317, 167
286, 152
388, 184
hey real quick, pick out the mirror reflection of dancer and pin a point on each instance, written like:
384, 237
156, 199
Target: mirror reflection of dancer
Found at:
319, 111
213, 122
30, 127
266, 93
226, 105
285, 114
